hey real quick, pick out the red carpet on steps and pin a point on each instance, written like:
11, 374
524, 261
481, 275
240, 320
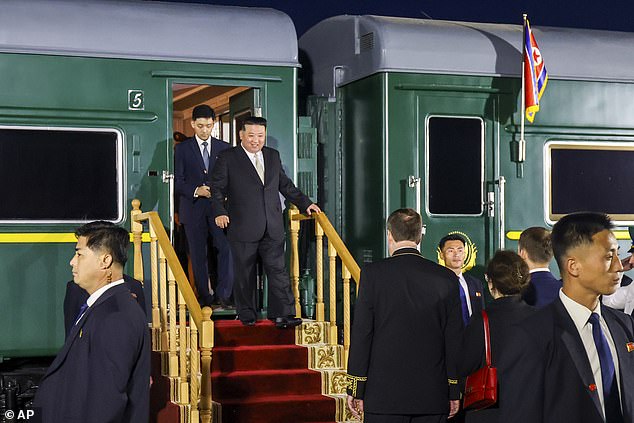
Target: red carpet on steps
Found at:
259, 375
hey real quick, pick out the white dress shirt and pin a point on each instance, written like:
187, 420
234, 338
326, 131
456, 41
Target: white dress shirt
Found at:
252, 157
580, 315
98, 293
623, 298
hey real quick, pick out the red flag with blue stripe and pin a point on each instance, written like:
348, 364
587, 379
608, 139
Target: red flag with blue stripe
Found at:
535, 74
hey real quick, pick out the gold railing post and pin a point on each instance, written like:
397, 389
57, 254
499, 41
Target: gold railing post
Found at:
173, 351
194, 370
182, 350
345, 273
332, 267
319, 273
162, 288
157, 322
206, 344
295, 258
137, 240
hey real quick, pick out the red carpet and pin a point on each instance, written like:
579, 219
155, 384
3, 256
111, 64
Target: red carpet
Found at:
259, 375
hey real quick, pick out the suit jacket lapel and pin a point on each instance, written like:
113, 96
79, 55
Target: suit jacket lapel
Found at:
248, 164
269, 166
76, 329
620, 338
199, 157
571, 339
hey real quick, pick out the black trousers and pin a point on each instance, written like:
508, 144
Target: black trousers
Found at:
197, 233
271, 251
399, 418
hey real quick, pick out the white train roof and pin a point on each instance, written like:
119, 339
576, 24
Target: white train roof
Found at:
148, 30
363, 45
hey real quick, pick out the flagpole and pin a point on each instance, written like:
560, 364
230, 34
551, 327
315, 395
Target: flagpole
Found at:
521, 154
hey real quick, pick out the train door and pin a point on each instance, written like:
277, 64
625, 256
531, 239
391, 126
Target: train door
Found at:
456, 189
230, 104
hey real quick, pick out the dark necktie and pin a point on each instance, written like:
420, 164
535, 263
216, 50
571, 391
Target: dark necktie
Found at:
465, 307
205, 155
82, 309
611, 399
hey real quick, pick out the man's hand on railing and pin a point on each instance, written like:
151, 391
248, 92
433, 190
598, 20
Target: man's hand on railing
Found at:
313, 208
222, 221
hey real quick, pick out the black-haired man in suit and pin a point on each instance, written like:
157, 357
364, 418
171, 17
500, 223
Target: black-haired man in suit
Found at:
535, 247
573, 360
452, 251
102, 373
405, 334
245, 184
194, 160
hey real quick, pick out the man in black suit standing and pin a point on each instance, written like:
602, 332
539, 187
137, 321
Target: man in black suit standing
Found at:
535, 247
452, 251
245, 184
194, 161
102, 373
405, 334
573, 360
76, 296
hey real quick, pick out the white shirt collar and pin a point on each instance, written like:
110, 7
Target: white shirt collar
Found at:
252, 155
98, 293
579, 313
539, 269
200, 142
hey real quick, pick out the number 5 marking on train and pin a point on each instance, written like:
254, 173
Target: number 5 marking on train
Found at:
135, 100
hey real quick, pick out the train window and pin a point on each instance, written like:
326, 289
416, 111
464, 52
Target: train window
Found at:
455, 165
589, 176
60, 175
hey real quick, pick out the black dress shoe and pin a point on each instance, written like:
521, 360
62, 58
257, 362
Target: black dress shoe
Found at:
248, 321
206, 301
287, 322
226, 304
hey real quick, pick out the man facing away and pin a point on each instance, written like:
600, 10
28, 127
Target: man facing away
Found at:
535, 247
194, 161
245, 184
405, 333
102, 373
573, 360
452, 251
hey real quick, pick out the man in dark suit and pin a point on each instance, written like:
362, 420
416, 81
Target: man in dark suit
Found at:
194, 160
535, 247
573, 360
76, 296
245, 184
102, 373
405, 333
452, 252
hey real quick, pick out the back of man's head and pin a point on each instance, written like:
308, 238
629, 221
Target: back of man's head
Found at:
537, 244
203, 111
576, 229
405, 225
106, 236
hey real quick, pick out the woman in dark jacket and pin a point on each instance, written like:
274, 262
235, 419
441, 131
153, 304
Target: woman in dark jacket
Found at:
507, 275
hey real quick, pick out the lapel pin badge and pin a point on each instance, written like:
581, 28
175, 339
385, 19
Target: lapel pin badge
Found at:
629, 346
592, 387
81, 332
478, 294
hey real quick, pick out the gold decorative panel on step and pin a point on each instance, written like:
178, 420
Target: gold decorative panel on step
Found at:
312, 332
325, 357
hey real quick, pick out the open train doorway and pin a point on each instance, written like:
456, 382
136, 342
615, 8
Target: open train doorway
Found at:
231, 105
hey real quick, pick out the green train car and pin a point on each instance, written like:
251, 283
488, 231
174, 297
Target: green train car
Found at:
426, 114
90, 95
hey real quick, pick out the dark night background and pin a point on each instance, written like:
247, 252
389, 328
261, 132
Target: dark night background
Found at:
609, 15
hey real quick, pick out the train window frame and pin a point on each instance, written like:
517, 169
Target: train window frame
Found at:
552, 218
120, 174
482, 164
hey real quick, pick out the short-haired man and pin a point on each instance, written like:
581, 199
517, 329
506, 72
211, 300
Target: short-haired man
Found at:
452, 252
573, 360
246, 183
535, 247
102, 373
194, 161
405, 333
